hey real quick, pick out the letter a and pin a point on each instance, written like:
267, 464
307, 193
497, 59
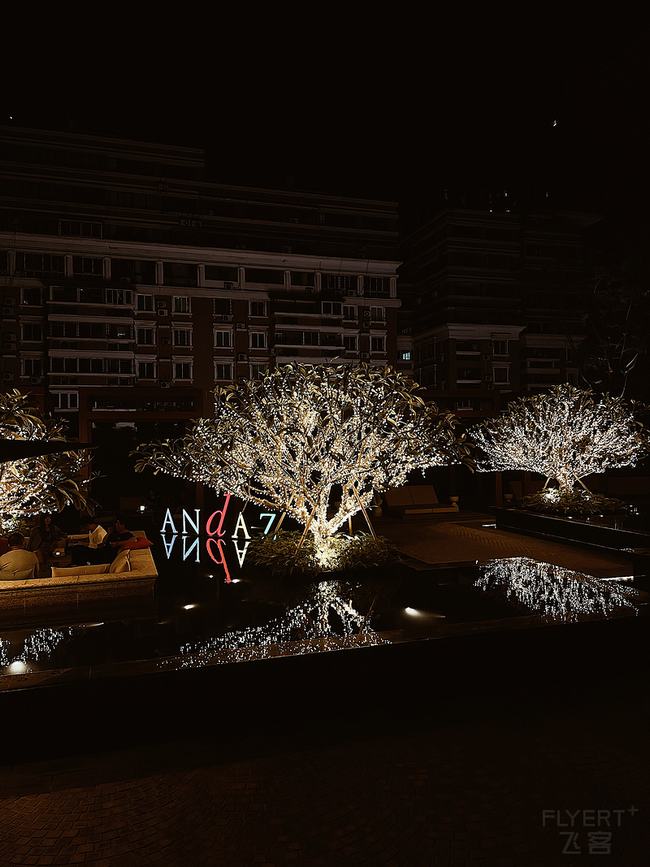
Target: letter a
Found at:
168, 520
241, 525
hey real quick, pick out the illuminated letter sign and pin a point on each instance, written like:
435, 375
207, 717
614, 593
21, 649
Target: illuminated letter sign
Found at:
215, 544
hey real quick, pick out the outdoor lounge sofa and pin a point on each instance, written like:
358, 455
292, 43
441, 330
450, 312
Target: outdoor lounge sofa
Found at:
413, 500
132, 573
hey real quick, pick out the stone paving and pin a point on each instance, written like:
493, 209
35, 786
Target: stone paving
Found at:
437, 541
452, 792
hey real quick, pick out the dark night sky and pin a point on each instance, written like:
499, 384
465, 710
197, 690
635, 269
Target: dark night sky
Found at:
451, 108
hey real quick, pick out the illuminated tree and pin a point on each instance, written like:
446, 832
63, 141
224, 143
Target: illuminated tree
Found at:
313, 442
565, 434
36, 485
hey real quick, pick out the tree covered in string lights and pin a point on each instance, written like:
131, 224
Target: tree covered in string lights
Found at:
313, 442
37, 485
564, 435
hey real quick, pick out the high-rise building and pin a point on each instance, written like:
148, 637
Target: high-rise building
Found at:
130, 284
495, 301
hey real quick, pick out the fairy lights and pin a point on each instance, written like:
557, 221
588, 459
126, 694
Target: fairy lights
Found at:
37, 645
32, 486
312, 442
553, 591
325, 621
565, 435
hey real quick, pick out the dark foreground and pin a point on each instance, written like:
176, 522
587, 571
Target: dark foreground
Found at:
459, 752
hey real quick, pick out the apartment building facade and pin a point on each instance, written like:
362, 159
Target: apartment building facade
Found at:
495, 303
130, 286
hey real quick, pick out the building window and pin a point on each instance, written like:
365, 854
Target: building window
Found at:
378, 344
351, 342
72, 329
119, 296
265, 275
32, 296
182, 304
331, 308
66, 400
179, 274
349, 313
182, 336
63, 365
500, 347
88, 266
146, 369
134, 271
501, 375
145, 336
222, 339
377, 287
32, 367
222, 371
118, 365
302, 278
145, 303
378, 314
464, 404
32, 331
258, 370
223, 273
222, 306
258, 339
257, 308
340, 282
80, 228
183, 370
39, 263
404, 355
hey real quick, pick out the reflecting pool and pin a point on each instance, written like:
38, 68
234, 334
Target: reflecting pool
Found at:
200, 619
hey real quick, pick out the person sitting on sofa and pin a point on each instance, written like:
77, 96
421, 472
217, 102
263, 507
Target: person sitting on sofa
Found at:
42, 541
106, 552
17, 564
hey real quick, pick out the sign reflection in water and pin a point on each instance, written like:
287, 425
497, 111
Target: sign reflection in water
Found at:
324, 621
553, 591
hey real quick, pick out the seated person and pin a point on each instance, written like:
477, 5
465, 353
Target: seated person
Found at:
43, 539
96, 534
106, 552
17, 564
93, 536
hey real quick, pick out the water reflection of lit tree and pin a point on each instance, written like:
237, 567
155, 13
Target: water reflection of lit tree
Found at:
324, 621
553, 591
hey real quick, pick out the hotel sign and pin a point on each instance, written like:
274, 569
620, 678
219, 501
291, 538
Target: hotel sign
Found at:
195, 537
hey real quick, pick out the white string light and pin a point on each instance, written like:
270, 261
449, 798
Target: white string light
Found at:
553, 591
306, 628
33, 486
288, 440
565, 435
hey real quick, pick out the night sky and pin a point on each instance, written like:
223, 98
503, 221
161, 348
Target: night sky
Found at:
552, 107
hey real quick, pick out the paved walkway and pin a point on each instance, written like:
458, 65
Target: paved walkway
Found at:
453, 792
464, 538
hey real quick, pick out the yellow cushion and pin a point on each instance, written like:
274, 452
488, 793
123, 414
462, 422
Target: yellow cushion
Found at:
62, 572
122, 563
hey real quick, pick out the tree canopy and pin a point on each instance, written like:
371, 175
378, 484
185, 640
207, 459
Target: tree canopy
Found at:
314, 442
